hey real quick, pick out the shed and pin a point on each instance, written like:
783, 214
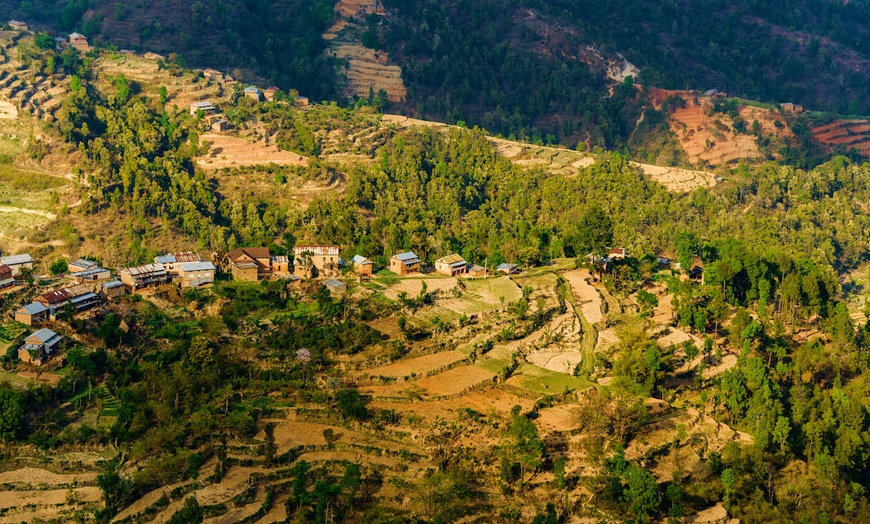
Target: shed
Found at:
362, 265
220, 125
336, 287
113, 288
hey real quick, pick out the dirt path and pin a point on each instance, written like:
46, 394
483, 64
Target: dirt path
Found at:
43, 214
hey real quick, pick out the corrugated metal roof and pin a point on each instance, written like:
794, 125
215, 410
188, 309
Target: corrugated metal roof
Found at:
43, 335
83, 263
196, 266
453, 259
34, 308
83, 298
60, 295
334, 283
112, 284
4, 268
359, 259
14, 260
147, 269
280, 259
407, 257
505, 267
89, 272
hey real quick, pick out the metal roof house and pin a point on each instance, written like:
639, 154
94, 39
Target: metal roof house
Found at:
195, 274
507, 269
203, 105
405, 263
451, 265
18, 262
32, 314
140, 277
336, 287
81, 264
252, 93
39, 346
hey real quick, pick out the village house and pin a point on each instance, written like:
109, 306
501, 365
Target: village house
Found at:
363, 266
6, 279
81, 264
203, 105
664, 262
253, 93
617, 253
195, 274
17, 263
451, 265
18, 25
696, 273
80, 42
113, 289
270, 93
314, 261
792, 108
80, 297
405, 263
507, 269
250, 263
280, 264
171, 261
336, 287
141, 277
213, 74
301, 101
32, 314
40, 346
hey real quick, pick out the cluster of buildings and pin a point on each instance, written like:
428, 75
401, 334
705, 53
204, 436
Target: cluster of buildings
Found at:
94, 285
76, 40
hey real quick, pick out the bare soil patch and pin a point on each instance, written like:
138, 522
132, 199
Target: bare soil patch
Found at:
232, 151
8, 110
678, 180
413, 285
418, 365
587, 297
33, 476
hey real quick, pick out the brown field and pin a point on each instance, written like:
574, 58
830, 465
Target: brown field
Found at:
413, 285
451, 382
585, 294
496, 400
851, 134
232, 151
709, 138
418, 365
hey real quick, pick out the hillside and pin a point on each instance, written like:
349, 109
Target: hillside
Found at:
620, 341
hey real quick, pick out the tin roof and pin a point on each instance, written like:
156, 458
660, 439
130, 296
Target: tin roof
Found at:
34, 308
334, 283
144, 270
83, 263
452, 260
181, 256
4, 268
197, 266
359, 259
112, 284
14, 260
57, 296
408, 257
88, 272
43, 335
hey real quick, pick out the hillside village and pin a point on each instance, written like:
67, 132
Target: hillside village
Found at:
278, 341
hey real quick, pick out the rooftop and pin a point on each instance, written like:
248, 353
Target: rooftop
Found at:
144, 270
112, 284
359, 259
334, 283
316, 250
89, 272
77, 36
182, 256
252, 89
451, 259
197, 266
14, 260
43, 335
34, 308
408, 257
83, 263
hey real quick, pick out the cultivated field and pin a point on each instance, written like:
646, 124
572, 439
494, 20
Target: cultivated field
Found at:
232, 151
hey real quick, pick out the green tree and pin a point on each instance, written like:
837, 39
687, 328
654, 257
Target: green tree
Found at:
11, 412
58, 267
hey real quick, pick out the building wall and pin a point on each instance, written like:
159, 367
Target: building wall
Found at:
244, 274
363, 269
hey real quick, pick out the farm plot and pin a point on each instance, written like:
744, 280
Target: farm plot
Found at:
538, 380
490, 401
587, 297
478, 296
231, 151
418, 365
